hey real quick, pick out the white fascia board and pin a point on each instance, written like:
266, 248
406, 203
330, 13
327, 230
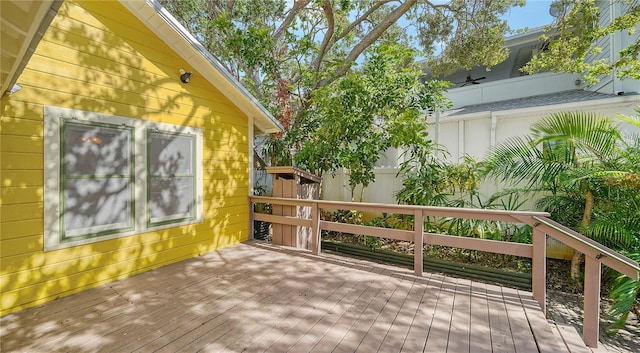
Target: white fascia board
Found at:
531, 36
613, 102
165, 26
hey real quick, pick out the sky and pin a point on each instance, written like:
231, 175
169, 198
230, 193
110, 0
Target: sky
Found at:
534, 14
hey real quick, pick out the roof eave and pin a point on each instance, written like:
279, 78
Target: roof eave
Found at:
38, 18
614, 101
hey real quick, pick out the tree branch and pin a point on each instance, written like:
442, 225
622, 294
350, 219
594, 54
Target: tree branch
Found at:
297, 6
369, 39
362, 18
328, 36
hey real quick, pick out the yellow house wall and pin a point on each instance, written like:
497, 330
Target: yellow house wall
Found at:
96, 56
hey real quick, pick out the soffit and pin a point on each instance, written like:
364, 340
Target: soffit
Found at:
23, 22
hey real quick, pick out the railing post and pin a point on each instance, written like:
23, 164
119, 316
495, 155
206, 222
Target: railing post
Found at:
591, 323
418, 249
315, 229
251, 223
539, 264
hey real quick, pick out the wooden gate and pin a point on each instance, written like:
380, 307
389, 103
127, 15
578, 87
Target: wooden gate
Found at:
291, 182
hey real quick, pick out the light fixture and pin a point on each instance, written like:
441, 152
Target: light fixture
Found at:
16, 87
185, 76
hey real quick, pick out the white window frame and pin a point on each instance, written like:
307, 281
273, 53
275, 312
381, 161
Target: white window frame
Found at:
53, 120
190, 173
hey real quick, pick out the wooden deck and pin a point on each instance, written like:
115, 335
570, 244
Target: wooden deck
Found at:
257, 297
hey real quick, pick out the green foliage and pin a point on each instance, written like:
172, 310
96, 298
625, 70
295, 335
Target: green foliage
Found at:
625, 295
557, 144
472, 40
575, 38
567, 155
353, 120
572, 157
353, 217
429, 181
424, 181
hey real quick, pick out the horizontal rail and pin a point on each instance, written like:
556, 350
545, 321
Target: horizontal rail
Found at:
589, 247
397, 234
494, 246
288, 220
282, 201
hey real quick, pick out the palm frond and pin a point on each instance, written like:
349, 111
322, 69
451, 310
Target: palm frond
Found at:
610, 231
582, 135
624, 295
574, 176
630, 119
518, 160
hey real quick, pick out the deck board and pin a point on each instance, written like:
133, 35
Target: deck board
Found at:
438, 336
419, 330
460, 318
480, 336
256, 297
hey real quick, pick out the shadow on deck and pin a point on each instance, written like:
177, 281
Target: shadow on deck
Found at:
256, 297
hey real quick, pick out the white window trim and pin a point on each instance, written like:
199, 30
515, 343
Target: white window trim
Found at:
52, 167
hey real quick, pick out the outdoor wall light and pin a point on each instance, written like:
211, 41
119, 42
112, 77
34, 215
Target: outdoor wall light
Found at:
185, 76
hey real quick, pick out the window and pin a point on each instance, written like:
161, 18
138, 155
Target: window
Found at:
96, 179
108, 176
171, 177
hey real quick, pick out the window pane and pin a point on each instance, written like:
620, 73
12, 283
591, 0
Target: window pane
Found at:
95, 205
96, 150
171, 198
170, 154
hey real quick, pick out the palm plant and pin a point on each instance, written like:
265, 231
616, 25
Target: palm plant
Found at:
572, 157
589, 173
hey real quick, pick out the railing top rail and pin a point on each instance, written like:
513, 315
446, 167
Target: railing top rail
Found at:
620, 263
402, 209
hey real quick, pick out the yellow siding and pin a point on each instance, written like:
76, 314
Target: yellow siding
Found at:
97, 56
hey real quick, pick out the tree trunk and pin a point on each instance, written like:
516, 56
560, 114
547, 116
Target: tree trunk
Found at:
576, 260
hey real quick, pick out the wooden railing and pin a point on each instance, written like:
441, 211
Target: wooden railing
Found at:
595, 253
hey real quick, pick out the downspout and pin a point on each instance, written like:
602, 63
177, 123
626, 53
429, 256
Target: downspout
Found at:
494, 123
613, 46
614, 42
437, 133
460, 140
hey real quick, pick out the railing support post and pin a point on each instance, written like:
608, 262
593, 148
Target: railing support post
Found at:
315, 229
591, 323
539, 264
418, 249
251, 222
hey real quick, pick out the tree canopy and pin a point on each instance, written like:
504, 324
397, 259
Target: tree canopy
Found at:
575, 40
284, 47
354, 119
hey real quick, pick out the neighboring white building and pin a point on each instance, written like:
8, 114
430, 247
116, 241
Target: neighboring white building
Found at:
492, 106
504, 102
